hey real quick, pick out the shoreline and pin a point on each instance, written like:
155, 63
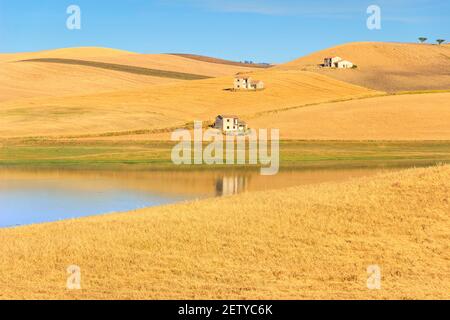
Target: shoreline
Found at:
151, 155
308, 242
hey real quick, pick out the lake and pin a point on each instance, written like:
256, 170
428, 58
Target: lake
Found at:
37, 195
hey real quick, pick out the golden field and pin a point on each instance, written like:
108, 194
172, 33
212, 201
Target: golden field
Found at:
60, 100
169, 105
312, 242
20, 78
390, 67
399, 117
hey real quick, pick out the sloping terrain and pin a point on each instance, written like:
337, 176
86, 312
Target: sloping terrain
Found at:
20, 80
121, 68
205, 66
221, 61
169, 105
387, 67
92, 70
400, 117
95, 91
310, 242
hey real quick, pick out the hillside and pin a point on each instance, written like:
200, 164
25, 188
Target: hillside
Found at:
169, 105
309, 242
68, 53
401, 117
221, 61
388, 67
92, 70
96, 91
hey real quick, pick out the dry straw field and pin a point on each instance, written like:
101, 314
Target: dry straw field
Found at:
162, 106
399, 117
302, 242
20, 78
390, 67
118, 93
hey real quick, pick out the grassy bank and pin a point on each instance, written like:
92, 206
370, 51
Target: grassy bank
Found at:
148, 155
304, 242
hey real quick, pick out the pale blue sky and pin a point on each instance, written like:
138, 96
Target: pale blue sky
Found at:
259, 30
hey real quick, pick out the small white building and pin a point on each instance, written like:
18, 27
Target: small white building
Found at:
330, 61
247, 83
230, 124
337, 62
344, 64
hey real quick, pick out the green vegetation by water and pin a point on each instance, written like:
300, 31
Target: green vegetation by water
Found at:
157, 155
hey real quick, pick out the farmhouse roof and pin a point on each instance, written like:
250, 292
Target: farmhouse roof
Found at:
228, 116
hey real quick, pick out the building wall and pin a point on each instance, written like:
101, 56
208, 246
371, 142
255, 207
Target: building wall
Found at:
242, 84
332, 62
335, 59
218, 124
229, 124
344, 64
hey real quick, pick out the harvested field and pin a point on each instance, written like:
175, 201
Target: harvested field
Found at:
309, 242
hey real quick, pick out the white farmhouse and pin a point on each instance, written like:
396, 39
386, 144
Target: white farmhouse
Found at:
337, 62
247, 83
230, 124
344, 64
330, 61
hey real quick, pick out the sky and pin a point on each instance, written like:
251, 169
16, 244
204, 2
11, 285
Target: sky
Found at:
272, 31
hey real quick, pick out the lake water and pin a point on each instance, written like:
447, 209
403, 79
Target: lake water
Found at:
35, 196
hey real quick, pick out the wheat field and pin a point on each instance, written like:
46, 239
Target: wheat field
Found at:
21, 78
41, 99
308, 242
390, 67
399, 117
168, 105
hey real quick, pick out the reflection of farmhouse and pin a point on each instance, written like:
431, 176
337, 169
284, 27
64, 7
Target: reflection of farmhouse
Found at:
227, 186
247, 83
230, 124
337, 62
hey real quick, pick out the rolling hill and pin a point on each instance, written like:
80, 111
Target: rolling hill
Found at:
390, 67
222, 61
400, 117
169, 105
92, 70
93, 92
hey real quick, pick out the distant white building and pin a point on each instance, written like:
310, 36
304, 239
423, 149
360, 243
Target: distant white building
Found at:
247, 83
337, 62
230, 124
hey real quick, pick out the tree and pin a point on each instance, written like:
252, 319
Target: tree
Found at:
440, 41
423, 39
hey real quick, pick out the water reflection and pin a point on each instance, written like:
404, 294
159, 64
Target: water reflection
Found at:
38, 195
233, 184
